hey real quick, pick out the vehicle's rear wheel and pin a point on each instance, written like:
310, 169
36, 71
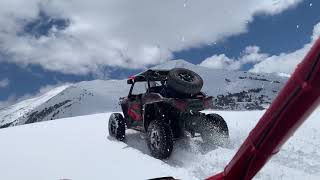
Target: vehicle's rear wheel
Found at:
184, 81
117, 126
160, 139
214, 130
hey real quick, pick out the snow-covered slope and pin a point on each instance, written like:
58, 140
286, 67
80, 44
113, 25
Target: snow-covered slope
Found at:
79, 99
232, 91
16, 111
80, 148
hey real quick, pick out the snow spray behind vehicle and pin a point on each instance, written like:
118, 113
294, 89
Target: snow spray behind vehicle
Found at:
296, 101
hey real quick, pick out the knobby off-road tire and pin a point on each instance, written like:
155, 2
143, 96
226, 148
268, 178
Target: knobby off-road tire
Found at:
215, 130
159, 139
184, 81
117, 126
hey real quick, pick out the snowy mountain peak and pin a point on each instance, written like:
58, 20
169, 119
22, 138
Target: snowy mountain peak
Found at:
179, 63
11, 114
232, 90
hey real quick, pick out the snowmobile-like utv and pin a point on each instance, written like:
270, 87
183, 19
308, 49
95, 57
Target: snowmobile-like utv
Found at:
165, 104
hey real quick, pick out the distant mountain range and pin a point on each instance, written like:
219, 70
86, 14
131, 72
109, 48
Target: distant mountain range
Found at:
232, 90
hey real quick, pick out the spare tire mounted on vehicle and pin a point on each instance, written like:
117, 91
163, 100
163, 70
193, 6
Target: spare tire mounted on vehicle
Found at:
184, 81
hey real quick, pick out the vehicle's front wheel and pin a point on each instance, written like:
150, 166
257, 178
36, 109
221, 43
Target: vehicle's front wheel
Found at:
117, 126
214, 130
160, 139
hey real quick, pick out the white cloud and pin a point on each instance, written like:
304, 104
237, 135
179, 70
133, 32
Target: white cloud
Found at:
251, 54
221, 62
13, 99
286, 62
4, 83
122, 33
276, 6
283, 63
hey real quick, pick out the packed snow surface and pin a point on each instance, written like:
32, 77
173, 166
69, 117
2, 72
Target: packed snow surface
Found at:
80, 148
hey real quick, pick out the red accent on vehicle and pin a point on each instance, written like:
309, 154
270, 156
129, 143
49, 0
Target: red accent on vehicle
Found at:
296, 101
135, 116
207, 103
132, 77
181, 105
132, 112
135, 106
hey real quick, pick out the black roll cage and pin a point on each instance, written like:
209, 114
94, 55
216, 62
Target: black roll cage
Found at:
147, 76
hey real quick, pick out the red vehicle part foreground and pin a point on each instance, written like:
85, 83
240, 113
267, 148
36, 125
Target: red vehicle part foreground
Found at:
296, 101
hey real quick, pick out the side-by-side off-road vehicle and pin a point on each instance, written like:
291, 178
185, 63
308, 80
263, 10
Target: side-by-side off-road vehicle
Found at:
165, 104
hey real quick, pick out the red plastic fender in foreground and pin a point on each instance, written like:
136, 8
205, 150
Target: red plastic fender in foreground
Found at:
296, 101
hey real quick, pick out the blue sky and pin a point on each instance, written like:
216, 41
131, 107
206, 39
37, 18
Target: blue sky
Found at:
273, 33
